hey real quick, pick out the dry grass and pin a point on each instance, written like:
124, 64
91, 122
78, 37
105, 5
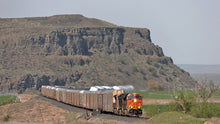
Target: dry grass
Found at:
34, 111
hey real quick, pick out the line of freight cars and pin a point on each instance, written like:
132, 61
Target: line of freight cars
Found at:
115, 101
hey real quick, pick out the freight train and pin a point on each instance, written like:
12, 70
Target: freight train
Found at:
114, 101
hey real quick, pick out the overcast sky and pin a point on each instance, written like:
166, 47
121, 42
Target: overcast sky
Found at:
187, 30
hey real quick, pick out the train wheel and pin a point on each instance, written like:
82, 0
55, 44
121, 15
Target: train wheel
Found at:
115, 111
120, 112
125, 112
96, 112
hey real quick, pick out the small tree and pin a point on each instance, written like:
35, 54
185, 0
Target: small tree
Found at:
204, 90
196, 102
185, 100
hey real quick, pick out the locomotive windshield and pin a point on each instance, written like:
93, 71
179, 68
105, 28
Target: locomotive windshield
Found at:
132, 97
138, 97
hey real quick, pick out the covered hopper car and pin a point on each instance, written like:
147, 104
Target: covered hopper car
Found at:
115, 101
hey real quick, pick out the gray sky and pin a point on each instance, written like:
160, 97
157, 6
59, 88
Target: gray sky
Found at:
187, 30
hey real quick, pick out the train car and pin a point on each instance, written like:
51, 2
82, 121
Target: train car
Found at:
107, 101
43, 90
68, 96
57, 93
115, 101
90, 100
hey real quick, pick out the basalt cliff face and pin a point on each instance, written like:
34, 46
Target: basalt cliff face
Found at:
77, 51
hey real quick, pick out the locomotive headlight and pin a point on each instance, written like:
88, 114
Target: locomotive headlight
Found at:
135, 100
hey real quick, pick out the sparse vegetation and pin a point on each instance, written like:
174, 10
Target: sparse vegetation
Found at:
196, 102
174, 118
205, 110
71, 118
7, 99
6, 117
154, 85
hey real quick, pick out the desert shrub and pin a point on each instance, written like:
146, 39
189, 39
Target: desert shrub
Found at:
138, 51
149, 61
123, 61
119, 69
144, 77
174, 74
154, 85
154, 73
156, 65
134, 69
6, 117
152, 69
162, 72
142, 72
169, 79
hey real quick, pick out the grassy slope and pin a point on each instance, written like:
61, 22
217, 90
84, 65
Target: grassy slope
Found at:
174, 118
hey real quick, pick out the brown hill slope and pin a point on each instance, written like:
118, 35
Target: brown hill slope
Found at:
75, 50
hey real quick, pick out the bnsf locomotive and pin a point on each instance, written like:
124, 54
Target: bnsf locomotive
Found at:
115, 101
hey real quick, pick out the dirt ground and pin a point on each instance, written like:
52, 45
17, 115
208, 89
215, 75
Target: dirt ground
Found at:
32, 110
213, 120
157, 101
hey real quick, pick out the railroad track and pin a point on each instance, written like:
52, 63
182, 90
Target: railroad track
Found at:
82, 111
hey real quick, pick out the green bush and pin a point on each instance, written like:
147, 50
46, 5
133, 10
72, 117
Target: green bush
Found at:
175, 107
185, 100
7, 99
189, 103
151, 110
205, 110
156, 65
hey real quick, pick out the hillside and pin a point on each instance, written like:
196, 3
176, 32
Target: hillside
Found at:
79, 51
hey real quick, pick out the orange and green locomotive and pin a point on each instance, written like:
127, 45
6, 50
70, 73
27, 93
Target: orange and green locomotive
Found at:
128, 104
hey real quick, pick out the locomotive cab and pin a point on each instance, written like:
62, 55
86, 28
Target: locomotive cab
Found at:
134, 104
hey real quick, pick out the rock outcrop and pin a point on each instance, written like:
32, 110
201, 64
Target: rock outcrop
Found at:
74, 50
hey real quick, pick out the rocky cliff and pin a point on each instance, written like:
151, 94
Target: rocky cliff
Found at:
79, 51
